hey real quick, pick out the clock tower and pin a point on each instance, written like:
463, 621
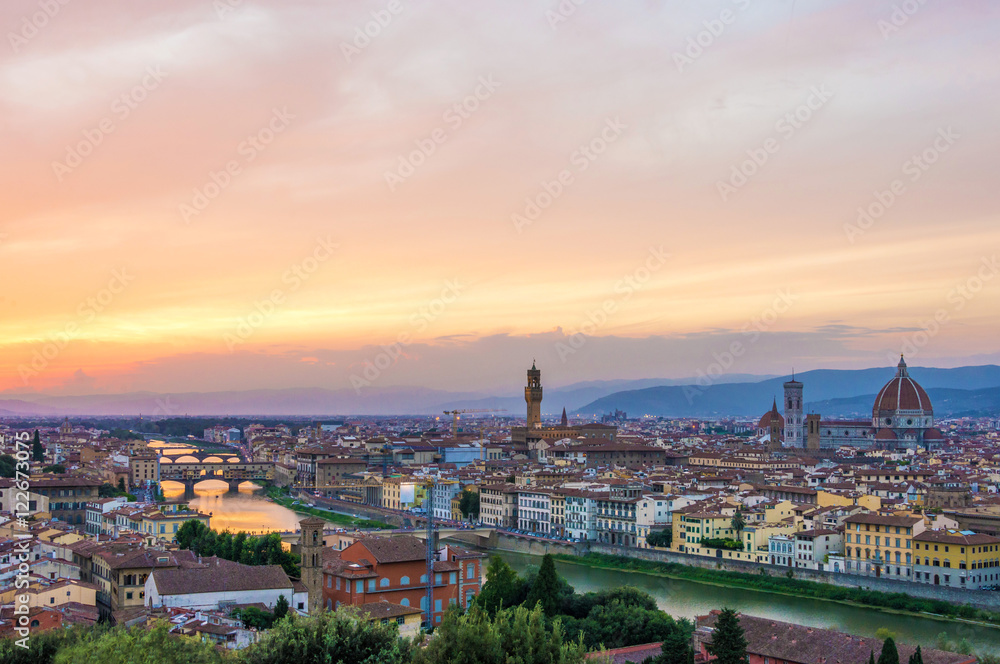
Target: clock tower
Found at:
533, 397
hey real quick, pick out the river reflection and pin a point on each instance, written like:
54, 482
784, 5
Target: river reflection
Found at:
688, 599
246, 510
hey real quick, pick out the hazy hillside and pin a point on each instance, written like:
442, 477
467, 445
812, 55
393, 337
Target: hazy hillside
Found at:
821, 387
831, 392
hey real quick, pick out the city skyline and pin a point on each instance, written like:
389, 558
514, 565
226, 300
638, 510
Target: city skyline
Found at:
268, 199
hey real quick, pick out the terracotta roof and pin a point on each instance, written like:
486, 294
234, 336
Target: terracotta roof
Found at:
394, 549
221, 576
379, 610
880, 520
807, 645
901, 393
944, 537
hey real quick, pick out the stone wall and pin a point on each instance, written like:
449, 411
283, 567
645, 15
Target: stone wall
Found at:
979, 598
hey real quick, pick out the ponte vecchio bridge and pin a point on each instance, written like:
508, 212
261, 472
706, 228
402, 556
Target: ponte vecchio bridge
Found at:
193, 467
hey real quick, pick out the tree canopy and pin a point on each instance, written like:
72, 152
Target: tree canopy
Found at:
518, 635
329, 637
138, 646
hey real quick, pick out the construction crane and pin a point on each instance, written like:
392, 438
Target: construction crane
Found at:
431, 550
455, 413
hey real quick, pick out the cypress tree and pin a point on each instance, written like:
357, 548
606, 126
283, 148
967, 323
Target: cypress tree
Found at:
889, 653
729, 643
37, 451
545, 589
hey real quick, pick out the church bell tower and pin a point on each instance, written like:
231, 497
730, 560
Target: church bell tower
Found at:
311, 550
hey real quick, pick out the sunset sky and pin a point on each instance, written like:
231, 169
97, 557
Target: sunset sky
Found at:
132, 260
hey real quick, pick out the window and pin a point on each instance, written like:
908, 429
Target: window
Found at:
437, 578
359, 586
404, 602
404, 581
384, 582
338, 583
453, 578
470, 571
371, 585
437, 606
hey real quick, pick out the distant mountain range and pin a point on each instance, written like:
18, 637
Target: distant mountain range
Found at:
832, 393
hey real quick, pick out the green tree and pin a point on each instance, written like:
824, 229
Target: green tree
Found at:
37, 451
56, 468
8, 466
121, 485
580, 606
917, 657
738, 522
545, 587
329, 637
676, 648
43, 646
871, 657
154, 646
517, 635
189, 531
883, 633
889, 653
661, 538
503, 588
729, 644
617, 625
281, 608
469, 504
254, 618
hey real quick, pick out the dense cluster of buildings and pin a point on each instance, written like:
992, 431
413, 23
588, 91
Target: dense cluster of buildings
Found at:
900, 496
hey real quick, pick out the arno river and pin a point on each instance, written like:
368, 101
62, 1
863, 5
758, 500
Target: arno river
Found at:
251, 512
686, 599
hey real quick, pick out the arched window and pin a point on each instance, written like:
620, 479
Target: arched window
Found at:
404, 602
423, 578
384, 583
329, 603
405, 581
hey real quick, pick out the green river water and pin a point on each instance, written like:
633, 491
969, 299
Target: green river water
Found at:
687, 599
